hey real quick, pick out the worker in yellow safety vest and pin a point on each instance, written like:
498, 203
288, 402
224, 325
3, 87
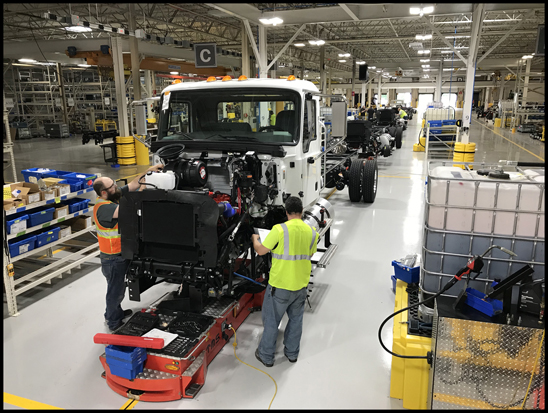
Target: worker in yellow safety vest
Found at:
292, 245
403, 114
113, 266
272, 118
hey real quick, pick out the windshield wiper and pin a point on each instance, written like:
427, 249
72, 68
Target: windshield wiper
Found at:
232, 138
182, 135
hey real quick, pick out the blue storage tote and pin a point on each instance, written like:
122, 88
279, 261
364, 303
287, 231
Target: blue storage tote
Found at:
75, 184
129, 374
405, 273
126, 364
488, 306
449, 122
19, 218
47, 236
22, 244
124, 352
394, 282
87, 179
40, 217
57, 174
435, 123
436, 131
33, 172
74, 205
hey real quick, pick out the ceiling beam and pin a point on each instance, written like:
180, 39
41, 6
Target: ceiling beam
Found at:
442, 37
348, 11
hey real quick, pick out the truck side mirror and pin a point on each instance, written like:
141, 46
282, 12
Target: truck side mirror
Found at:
339, 119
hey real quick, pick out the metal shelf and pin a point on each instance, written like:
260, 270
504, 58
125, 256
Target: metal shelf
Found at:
51, 244
47, 224
48, 202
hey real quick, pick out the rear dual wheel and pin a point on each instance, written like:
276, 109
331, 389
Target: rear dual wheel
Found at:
363, 177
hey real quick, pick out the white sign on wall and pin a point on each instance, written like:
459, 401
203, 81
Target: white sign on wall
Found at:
70, 101
58, 102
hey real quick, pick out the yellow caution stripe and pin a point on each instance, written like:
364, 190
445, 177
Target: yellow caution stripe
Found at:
130, 404
26, 403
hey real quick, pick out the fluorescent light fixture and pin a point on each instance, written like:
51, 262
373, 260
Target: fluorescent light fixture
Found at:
273, 21
423, 52
342, 61
379, 71
423, 37
372, 67
316, 42
78, 29
28, 61
84, 65
173, 73
500, 20
425, 70
421, 10
527, 57
299, 44
446, 51
344, 54
457, 37
425, 65
360, 63
448, 69
425, 60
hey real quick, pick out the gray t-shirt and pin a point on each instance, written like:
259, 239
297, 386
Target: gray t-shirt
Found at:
104, 216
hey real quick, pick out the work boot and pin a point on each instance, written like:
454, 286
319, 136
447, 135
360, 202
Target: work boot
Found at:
258, 358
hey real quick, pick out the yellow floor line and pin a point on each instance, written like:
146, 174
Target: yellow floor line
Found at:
496, 133
130, 404
26, 403
393, 176
54, 252
331, 193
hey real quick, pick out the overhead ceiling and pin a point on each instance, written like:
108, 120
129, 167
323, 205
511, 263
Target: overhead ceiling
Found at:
379, 34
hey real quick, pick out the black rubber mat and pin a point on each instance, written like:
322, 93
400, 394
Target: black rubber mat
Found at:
190, 325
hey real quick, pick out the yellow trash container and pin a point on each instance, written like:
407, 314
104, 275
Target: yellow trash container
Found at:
125, 150
498, 122
141, 153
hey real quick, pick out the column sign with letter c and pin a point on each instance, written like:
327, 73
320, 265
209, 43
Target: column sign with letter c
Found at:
205, 54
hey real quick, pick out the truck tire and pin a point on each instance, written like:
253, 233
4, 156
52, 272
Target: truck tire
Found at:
370, 175
399, 133
355, 180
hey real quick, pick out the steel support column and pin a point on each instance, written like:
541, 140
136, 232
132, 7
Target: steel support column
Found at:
322, 70
369, 92
134, 50
62, 92
263, 57
119, 82
526, 83
437, 93
245, 53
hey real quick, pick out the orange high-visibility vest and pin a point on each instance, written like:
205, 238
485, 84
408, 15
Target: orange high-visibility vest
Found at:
109, 238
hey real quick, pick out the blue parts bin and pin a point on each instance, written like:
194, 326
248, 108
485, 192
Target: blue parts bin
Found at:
126, 362
76, 204
477, 300
87, 179
21, 245
20, 219
75, 184
394, 282
407, 274
40, 217
38, 173
48, 236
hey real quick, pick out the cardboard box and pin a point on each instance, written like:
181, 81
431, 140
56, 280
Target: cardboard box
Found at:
63, 189
65, 231
13, 203
61, 212
29, 192
80, 223
51, 181
49, 194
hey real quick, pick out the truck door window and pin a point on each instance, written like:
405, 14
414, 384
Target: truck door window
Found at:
309, 124
178, 119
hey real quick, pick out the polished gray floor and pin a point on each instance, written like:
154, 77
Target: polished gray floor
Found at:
50, 357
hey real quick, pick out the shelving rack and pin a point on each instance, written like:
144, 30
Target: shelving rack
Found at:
15, 286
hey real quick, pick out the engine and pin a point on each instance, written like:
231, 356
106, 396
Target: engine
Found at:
192, 225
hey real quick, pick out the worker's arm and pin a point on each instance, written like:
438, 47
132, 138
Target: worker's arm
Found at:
115, 215
259, 248
135, 185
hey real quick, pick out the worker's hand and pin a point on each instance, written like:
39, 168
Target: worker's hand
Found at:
255, 237
155, 168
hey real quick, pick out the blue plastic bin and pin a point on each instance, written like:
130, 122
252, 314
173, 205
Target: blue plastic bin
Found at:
394, 282
57, 174
434, 123
17, 218
22, 244
126, 364
488, 306
129, 374
87, 180
449, 122
75, 184
84, 203
47, 237
405, 273
32, 172
74, 205
124, 352
436, 131
40, 217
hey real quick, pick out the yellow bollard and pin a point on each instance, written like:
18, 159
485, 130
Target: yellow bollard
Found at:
458, 154
514, 129
498, 122
141, 153
470, 153
125, 150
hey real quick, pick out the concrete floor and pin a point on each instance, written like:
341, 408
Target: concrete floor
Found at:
50, 357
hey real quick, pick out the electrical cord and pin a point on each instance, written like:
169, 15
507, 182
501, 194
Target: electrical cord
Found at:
145, 183
275, 384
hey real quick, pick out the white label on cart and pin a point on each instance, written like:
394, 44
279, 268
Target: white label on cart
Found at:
49, 196
64, 190
33, 197
18, 227
23, 248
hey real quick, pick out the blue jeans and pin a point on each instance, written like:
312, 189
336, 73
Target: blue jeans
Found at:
114, 269
274, 307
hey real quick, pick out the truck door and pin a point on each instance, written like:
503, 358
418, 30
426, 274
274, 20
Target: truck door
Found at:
311, 172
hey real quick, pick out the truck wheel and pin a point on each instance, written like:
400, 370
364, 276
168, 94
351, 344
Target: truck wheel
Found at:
398, 137
355, 180
392, 131
370, 174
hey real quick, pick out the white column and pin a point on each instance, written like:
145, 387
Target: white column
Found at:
134, 50
119, 82
379, 90
362, 100
322, 71
62, 92
369, 93
526, 84
148, 87
437, 93
262, 52
245, 53
353, 80
477, 18
487, 93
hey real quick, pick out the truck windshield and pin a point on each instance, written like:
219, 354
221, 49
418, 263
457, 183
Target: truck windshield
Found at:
262, 115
